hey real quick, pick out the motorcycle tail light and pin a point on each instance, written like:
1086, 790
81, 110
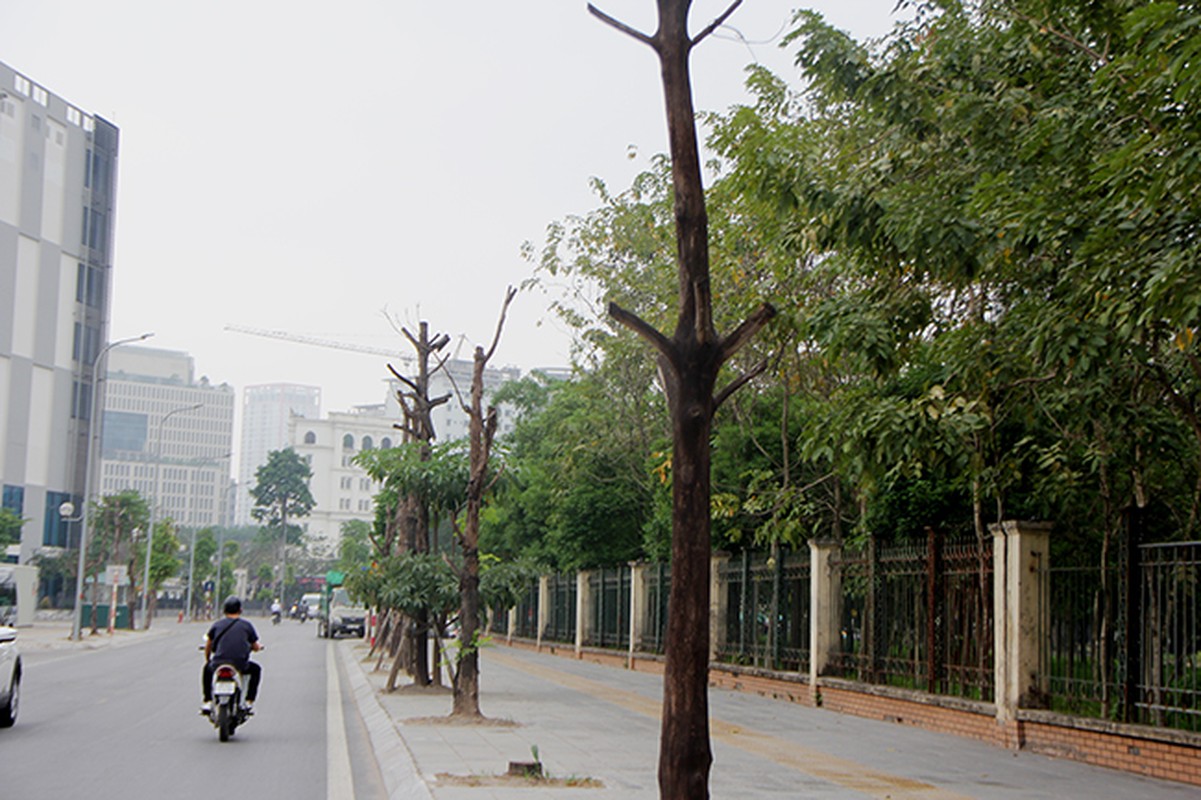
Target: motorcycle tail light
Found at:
226, 673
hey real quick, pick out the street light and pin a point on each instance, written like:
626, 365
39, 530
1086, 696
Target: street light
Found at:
158, 465
93, 435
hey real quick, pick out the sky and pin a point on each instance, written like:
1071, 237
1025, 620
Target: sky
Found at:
320, 168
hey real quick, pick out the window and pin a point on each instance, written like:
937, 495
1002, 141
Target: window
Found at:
368, 443
54, 528
385, 443
14, 499
348, 442
310, 438
21, 84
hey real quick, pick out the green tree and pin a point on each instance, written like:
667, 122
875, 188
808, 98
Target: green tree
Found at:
10, 527
164, 561
116, 520
281, 492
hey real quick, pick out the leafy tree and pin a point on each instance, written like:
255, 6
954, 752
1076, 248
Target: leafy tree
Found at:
114, 520
281, 492
10, 527
164, 561
354, 546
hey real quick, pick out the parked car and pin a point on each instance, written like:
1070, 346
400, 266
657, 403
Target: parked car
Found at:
342, 616
10, 676
312, 603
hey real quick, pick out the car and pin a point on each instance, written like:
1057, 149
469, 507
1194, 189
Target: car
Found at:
312, 601
10, 676
343, 616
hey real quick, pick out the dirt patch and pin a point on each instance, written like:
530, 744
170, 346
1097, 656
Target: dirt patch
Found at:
468, 722
422, 691
446, 779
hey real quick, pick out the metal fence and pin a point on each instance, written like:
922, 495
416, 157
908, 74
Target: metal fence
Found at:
526, 622
657, 585
560, 621
609, 623
767, 610
918, 616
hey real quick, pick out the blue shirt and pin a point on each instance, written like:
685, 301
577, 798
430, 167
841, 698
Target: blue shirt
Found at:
233, 640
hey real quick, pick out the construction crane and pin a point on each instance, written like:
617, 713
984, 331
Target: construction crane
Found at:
407, 360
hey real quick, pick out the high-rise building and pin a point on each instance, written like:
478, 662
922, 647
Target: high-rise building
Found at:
57, 197
267, 410
168, 435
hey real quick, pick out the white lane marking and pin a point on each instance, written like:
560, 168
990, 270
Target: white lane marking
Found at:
339, 782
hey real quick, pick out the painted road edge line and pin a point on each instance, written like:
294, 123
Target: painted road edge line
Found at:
339, 782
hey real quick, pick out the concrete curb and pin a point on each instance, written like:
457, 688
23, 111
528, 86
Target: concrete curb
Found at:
396, 764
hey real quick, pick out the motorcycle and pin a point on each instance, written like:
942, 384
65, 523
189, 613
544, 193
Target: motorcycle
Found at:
228, 711
275, 617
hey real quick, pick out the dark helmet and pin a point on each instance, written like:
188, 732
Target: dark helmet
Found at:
233, 605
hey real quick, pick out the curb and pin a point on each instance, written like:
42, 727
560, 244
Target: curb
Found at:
402, 779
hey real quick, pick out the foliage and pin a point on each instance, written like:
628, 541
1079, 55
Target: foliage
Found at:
10, 527
164, 561
281, 489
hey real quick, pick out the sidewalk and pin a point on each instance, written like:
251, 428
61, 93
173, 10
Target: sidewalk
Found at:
589, 721
55, 634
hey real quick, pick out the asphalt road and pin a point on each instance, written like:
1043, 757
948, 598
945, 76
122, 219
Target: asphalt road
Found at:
122, 723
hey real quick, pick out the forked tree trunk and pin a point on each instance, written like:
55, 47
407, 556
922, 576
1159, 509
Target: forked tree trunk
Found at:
481, 431
689, 364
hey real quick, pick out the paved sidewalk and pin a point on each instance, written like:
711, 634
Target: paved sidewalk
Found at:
589, 721
55, 634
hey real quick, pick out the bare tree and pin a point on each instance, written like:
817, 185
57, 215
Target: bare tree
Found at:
689, 363
481, 431
413, 515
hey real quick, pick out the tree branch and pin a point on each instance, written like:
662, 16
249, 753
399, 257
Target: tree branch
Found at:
738, 383
744, 332
402, 378
621, 26
642, 328
510, 293
717, 23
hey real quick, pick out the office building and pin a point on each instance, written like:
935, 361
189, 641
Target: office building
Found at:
267, 410
168, 435
57, 196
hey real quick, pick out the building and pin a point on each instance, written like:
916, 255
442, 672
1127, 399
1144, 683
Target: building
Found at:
168, 435
267, 410
57, 198
450, 421
342, 491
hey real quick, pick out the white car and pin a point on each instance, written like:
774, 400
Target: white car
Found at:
10, 676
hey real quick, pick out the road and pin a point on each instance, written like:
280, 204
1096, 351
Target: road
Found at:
122, 724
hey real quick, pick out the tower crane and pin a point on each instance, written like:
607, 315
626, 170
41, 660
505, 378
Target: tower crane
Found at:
406, 360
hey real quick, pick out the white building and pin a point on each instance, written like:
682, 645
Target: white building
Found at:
341, 490
168, 436
267, 412
57, 201
449, 419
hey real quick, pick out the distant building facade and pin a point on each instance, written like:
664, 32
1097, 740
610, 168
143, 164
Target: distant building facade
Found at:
57, 198
267, 412
155, 442
341, 490
449, 419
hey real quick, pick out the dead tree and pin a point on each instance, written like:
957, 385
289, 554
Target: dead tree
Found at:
481, 431
689, 363
413, 516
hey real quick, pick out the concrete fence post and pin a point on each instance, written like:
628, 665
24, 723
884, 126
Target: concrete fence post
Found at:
544, 608
583, 609
825, 608
718, 605
637, 608
1021, 614
512, 624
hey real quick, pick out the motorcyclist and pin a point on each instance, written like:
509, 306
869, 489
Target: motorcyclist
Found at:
276, 609
231, 640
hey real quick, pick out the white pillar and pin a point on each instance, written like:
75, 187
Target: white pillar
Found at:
1021, 612
825, 608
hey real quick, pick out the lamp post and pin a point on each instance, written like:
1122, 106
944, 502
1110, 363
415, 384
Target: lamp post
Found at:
191, 576
158, 465
93, 435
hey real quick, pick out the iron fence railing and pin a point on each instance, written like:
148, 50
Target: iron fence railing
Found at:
657, 588
767, 610
526, 622
560, 621
917, 616
609, 623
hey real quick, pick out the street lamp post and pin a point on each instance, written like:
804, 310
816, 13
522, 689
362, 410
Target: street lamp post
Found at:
93, 435
158, 465
191, 576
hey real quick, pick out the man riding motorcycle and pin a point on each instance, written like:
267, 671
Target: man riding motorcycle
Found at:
231, 640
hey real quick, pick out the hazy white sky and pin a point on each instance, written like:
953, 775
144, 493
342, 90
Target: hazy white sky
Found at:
301, 166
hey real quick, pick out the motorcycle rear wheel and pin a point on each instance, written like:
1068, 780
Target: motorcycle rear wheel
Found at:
225, 722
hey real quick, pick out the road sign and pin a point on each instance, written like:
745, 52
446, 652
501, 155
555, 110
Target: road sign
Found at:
117, 574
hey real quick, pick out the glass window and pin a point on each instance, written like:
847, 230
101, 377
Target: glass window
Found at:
348, 442
368, 443
310, 438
